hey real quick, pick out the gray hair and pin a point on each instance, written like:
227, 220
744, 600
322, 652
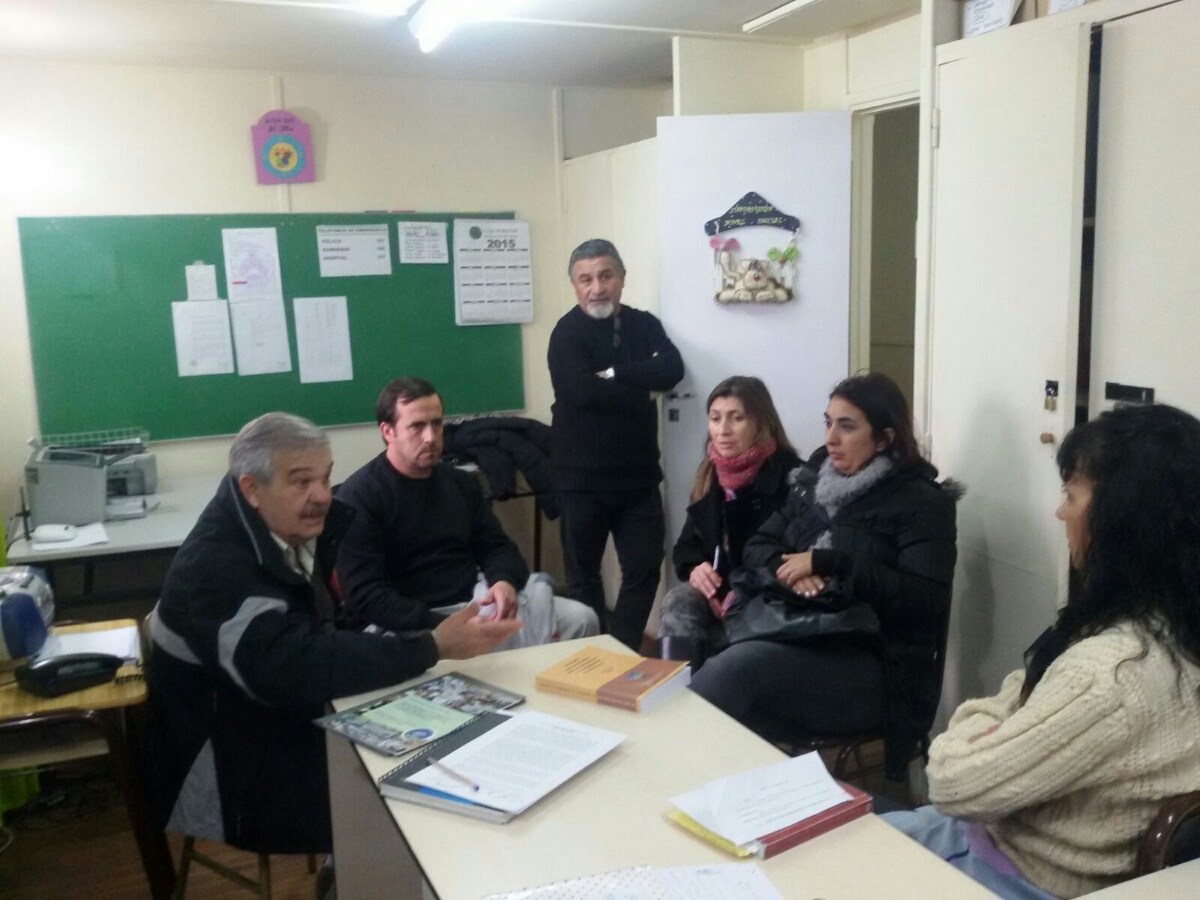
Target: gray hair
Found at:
253, 450
594, 249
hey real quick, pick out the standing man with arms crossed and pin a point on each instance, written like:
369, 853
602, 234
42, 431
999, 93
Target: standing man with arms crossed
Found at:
606, 363
247, 650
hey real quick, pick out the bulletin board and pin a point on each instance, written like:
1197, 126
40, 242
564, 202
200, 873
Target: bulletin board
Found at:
99, 292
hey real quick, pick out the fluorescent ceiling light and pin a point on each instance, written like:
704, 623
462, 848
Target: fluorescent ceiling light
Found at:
437, 18
396, 8
776, 14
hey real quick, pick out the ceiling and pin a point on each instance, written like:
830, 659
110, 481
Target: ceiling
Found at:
592, 43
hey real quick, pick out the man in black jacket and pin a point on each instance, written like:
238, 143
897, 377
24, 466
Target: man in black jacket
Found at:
247, 650
425, 539
607, 361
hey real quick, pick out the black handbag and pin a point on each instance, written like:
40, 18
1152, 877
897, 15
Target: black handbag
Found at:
763, 609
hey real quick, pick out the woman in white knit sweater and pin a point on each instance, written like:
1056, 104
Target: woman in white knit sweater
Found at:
1045, 789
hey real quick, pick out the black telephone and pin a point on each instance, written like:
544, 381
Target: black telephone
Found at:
64, 674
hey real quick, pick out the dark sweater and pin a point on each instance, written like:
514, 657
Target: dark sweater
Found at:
606, 430
417, 544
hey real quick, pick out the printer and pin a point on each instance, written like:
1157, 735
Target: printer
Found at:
129, 476
66, 487
73, 485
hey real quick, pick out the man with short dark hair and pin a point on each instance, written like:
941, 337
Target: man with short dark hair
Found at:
247, 650
425, 539
607, 362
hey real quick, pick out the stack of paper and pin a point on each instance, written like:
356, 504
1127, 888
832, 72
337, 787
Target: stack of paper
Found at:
121, 642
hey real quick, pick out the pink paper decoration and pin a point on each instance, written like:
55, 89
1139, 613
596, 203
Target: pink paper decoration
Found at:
282, 149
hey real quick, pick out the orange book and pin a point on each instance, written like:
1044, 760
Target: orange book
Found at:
615, 679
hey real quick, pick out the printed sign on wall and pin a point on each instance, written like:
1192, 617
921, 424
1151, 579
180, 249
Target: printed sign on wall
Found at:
282, 149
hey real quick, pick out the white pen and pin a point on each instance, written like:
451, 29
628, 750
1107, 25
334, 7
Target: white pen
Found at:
442, 767
717, 558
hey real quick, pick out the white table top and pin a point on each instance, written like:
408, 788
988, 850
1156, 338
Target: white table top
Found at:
1182, 880
613, 815
181, 500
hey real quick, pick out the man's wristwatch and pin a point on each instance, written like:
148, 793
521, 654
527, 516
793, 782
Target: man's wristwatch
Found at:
608, 374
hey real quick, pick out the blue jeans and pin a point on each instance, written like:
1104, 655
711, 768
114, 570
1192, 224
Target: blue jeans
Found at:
968, 849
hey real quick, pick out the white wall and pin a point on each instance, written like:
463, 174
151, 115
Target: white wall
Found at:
123, 140
716, 76
597, 119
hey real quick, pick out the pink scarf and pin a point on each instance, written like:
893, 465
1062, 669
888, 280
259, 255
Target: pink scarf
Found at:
736, 472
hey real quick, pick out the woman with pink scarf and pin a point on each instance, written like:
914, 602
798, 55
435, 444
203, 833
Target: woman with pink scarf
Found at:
742, 480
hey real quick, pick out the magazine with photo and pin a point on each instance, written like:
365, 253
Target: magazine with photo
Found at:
398, 723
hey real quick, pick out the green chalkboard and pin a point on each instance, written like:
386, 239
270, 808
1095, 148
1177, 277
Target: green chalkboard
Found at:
99, 293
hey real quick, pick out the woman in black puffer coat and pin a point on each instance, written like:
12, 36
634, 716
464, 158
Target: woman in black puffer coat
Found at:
866, 523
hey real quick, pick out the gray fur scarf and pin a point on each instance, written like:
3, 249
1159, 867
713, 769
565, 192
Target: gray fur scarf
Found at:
834, 490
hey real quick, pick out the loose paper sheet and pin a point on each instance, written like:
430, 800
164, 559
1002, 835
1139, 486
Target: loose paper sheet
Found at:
122, 642
323, 339
260, 337
720, 882
354, 250
201, 281
203, 345
251, 265
520, 761
85, 536
493, 280
423, 242
980, 16
746, 882
755, 803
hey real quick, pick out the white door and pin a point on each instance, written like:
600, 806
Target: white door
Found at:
1004, 286
799, 163
1146, 317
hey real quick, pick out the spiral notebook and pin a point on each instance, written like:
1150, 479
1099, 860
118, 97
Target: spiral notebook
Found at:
395, 784
499, 765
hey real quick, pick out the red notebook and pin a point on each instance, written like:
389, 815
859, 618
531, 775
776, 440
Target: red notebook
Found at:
769, 845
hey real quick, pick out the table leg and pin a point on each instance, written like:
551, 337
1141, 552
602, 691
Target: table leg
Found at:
537, 534
151, 841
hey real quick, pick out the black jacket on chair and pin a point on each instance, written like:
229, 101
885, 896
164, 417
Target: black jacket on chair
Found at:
893, 548
241, 665
712, 515
502, 445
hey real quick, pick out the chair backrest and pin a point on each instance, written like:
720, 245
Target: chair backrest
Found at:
1173, 836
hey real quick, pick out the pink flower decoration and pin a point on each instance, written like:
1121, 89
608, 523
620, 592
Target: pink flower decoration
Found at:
715, 242
732, 244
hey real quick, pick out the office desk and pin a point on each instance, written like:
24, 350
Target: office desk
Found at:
89, 723
610, 816
181, 500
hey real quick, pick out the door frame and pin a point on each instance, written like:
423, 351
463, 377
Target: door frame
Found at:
862, 159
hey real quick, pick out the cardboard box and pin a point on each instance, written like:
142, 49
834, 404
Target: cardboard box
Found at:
982, 16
